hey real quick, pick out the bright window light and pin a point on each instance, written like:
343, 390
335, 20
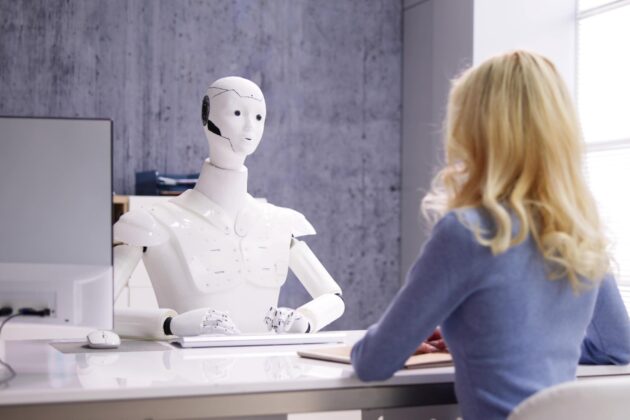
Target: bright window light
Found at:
590, 4
604, 75
608, 170
603, 90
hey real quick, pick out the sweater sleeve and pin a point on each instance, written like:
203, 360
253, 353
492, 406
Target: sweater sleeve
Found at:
607, 340
437, 283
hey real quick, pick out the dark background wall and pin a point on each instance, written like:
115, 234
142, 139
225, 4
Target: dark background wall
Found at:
331, 74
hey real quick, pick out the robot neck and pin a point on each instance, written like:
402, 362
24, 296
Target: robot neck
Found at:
225, 187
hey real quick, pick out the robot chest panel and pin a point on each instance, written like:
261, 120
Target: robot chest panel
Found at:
219, 260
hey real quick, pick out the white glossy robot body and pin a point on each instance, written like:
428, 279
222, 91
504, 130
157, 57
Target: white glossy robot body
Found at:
238, 269
218, 248
206, 261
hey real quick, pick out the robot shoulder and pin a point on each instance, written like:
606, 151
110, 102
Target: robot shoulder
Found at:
139, 228
296, 221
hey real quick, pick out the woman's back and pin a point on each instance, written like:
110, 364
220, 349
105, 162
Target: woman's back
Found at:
516, 332
510, 329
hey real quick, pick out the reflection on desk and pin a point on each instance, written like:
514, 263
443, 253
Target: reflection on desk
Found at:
185, 382
45, 374
172, 368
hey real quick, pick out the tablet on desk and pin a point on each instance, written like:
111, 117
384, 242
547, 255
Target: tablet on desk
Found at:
341, 354
259, 340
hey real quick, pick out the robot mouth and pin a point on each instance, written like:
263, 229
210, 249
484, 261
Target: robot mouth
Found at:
248, 138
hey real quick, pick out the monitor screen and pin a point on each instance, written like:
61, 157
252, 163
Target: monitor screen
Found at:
55, 184
56, 218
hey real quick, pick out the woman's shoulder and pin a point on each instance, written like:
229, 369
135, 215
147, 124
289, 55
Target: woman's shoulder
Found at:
465, 221
463, 231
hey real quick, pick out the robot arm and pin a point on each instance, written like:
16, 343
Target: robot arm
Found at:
327, 304
126, 258
159, 324
136, 230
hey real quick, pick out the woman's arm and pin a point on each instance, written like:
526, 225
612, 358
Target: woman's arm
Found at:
607, 340
438, 282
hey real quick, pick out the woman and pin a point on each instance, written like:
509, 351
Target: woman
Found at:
516, 269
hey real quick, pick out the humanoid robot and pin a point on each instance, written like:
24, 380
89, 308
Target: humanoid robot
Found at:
216, 256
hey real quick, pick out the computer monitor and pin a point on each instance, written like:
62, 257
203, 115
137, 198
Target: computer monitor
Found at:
56, 219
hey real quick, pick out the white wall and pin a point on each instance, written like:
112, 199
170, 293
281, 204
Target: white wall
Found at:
437, 43
544, 26
441, 38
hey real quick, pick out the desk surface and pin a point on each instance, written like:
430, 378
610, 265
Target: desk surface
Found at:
45, 375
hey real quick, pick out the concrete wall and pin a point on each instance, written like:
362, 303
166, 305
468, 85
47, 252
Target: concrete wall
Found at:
331, 73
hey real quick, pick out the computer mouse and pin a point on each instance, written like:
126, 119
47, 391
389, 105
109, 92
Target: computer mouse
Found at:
102, 339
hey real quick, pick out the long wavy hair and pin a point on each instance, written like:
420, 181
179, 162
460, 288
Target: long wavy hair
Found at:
513, 147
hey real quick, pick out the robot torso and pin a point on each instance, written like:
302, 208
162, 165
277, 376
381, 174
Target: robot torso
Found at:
211, 260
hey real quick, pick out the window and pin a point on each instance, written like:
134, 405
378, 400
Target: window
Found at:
603, 93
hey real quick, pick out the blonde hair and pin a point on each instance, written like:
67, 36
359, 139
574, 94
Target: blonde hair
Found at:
513, 147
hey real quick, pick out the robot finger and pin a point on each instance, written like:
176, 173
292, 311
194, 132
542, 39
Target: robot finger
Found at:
271, 318
226, 323
226, 330
222, 314
269, 323
210, 314
288, 321
209, 324
216, 327
208, 318
275, 322
215, 313
282, 317
214, 330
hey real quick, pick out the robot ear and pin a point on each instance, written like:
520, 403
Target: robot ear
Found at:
205, 116
205, 110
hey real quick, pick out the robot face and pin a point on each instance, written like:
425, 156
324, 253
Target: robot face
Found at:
239, 117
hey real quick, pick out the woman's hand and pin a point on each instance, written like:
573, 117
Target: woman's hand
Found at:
435, 343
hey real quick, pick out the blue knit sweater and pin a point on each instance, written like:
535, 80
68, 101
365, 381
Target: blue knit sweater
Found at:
511, 330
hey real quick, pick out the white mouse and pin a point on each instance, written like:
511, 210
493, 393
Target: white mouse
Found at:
102, 339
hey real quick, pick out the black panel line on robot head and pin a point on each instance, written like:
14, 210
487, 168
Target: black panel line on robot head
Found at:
232, 90
214, 129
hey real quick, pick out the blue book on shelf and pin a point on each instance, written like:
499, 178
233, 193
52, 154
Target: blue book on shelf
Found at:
156, 183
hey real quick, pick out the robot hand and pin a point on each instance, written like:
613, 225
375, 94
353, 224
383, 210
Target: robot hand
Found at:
203, 321
286, 320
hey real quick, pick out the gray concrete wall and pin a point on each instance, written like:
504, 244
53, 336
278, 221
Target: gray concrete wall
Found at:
331, 73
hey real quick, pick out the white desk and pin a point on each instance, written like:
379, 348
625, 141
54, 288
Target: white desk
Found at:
205, 383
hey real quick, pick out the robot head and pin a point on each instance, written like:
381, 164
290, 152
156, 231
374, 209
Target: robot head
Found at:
233, 115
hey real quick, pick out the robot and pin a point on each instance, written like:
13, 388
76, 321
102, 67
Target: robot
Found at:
215, 255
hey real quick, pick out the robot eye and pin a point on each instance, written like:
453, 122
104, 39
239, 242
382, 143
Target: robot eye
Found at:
237, 112
259, 117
